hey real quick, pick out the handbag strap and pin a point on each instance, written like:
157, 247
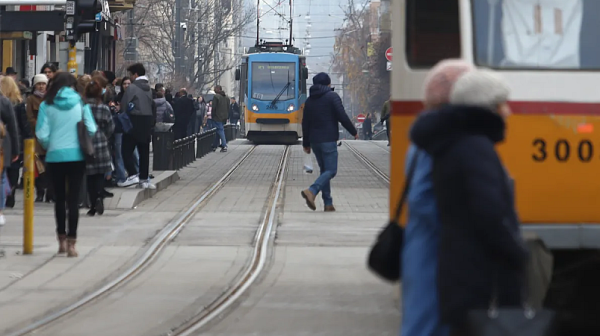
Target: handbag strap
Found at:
409, 175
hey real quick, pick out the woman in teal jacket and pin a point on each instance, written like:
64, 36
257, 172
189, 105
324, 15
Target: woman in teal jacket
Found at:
56, 130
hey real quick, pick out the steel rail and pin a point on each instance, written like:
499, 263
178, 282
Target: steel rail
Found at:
368, 163
256, 264
159, 242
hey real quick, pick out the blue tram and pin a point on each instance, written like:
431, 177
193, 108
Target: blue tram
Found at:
272, 92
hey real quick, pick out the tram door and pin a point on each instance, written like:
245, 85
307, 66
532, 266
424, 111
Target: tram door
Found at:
242, 76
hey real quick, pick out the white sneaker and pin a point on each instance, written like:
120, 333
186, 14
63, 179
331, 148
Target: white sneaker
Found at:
131, 180
2, 220
147, 185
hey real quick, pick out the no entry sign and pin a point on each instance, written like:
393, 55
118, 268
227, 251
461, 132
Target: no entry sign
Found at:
388, 54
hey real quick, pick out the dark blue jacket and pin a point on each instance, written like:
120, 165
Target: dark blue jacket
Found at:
323, 111
480, 243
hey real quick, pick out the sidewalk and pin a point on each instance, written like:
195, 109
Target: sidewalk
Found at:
31, 285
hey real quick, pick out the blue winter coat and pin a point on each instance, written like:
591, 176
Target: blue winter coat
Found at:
420, 315
56, 127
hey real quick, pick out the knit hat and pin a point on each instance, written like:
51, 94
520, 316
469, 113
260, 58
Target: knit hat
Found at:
321, 78
482, 88
40, 78
441, 79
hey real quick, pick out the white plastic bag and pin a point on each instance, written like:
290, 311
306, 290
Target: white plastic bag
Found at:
308, 165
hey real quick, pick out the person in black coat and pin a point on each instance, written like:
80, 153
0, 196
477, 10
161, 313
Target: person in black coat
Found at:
481, 254
184, 110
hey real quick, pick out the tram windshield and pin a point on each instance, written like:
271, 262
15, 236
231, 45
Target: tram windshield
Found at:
269, 79
540, 34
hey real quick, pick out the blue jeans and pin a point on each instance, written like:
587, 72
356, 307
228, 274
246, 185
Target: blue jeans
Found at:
220, 135
4, 185
327, 158
119, 165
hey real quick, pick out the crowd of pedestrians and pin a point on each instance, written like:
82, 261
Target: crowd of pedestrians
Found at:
118, 115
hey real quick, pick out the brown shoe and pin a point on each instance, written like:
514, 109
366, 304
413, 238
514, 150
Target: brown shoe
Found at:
310, 199
329, 208
71, 252
62, 243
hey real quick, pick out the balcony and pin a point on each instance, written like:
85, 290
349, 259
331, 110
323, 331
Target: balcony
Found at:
120, 5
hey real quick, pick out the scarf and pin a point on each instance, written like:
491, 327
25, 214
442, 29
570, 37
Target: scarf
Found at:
38, 94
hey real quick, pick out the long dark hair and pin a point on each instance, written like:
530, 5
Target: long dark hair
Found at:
60, 80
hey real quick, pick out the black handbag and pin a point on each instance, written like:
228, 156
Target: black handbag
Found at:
511, 321
384, 257
85, 140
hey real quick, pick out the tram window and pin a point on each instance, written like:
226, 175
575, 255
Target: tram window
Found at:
545, 34
273, 79
432, 31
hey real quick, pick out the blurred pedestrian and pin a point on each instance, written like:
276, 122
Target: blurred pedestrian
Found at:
419, 255
475, 199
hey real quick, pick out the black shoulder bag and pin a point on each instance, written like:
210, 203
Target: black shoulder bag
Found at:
511, 321
384, 258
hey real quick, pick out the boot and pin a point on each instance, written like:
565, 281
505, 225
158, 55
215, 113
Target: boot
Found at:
62, 243
329, 208
310, 199
71, 252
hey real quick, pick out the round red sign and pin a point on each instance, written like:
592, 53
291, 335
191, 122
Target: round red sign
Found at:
388, 54
360, 117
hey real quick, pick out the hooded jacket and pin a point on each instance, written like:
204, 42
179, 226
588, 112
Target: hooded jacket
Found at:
323, 111
137, 102
164, 110
220, 110
480, 243
56, 127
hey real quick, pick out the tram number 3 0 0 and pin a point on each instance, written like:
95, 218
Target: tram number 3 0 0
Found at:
562, 150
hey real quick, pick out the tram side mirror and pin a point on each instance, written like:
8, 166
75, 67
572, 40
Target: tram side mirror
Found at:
238, 74
305, 73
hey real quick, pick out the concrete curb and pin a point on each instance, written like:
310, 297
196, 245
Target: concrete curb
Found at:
128, 198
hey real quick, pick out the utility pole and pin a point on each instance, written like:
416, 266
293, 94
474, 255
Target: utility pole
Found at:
177, 41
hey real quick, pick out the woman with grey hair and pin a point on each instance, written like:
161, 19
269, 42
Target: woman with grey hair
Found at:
481, 253
422, 232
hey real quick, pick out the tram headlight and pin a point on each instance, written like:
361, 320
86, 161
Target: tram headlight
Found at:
291, 108
254, 107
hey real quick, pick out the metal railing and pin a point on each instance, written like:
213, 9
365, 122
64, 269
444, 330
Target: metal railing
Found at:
171, 154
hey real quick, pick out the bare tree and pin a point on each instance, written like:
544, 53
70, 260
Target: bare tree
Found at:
208, 48
362, 59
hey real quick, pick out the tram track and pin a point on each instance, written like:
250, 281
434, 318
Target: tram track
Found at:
166, 235
380, 173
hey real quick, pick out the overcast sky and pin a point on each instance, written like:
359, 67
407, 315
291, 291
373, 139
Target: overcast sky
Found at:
314, 27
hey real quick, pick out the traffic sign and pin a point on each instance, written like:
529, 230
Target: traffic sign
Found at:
360, 117
388, 66
388, 54
70, 8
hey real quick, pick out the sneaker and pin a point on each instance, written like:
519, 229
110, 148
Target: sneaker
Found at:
224, 149
146, 185
131, 180
2, 220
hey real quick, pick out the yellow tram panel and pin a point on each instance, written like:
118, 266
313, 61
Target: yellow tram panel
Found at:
553, 159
